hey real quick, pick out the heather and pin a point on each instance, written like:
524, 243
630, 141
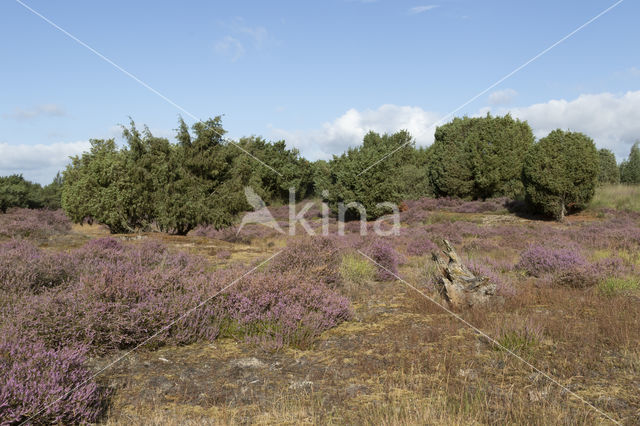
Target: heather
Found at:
37, 384
538, 260
563, 288
385, 257
114, 295
318, 257
35, 224
108, 296
23, 266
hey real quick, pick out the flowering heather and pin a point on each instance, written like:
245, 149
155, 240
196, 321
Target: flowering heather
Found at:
30, 223
317, 256
25, 267
283, 305
482, 268
457, 205
120, 294
416, 242
385, 255
538, 260
34, 377
223, 254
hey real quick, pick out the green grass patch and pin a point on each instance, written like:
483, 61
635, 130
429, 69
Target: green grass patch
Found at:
614, 286
618, 197
356, 269
517, 340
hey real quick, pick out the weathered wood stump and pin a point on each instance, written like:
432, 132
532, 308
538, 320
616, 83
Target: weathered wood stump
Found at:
459, 286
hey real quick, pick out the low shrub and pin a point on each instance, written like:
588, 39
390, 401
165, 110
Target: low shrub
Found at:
581, 276
482, 268
120, 294
317, 256
420, 245
286, 307
538, 260
29, 223
23, 266
34, 378
386, 258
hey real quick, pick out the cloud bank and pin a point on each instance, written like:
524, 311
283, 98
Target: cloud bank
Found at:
38, 163
613, 121
349, 129
43, 110
421, 9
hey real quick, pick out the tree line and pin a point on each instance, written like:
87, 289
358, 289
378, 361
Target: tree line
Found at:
16, 191
152, 183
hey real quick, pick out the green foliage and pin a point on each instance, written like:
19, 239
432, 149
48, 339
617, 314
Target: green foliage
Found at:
609, 171
378, 184
52, 194
479, 157
16, 191
414, 176
175, 187
517, 341
630, 168
613, 286
560, 173
97, 185
321, 177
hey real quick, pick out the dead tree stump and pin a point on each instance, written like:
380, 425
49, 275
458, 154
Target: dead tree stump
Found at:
459, 286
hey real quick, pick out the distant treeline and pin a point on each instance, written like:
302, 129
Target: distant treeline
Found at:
16, 191
174, 187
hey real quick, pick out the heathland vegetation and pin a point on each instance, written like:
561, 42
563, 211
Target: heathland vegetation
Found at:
253, 326
152, 183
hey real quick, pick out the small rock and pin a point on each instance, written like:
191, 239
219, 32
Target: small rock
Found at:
538, 395
467, 373
248, 363
301, 384
353, 390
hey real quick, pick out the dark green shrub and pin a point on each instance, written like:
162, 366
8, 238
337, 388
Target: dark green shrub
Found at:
609, 171
353, 179
630, 168
560, 173
479, 157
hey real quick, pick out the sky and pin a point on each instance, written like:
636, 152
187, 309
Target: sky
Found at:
318, 74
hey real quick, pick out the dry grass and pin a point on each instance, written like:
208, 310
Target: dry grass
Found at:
403, 360
618, 197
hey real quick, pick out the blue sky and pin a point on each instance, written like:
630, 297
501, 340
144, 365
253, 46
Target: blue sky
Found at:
316, 73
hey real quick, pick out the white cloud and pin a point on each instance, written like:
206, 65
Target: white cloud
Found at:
613, 121
349, 129
40, 162
502, 97
422, 9
230, 46
43, 110
243, 36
